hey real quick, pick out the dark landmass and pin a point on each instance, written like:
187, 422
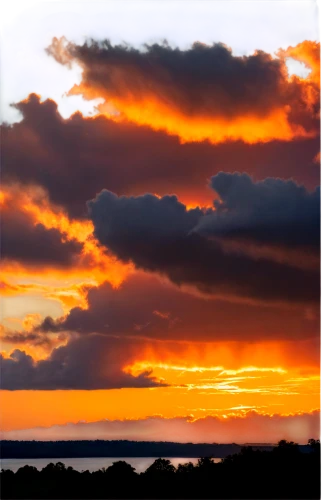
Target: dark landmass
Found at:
282, 473
99, 448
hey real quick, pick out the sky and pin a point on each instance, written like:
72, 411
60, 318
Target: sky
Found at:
160, 220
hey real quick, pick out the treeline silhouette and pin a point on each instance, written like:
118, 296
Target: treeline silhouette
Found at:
285, 472
116, 448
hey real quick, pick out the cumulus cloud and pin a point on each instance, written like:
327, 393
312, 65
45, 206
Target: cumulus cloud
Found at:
161, 235
272, 211
250, 427
90, 362
204, 92
96, 153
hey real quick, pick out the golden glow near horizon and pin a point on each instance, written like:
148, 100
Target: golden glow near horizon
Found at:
194, 390
61, 407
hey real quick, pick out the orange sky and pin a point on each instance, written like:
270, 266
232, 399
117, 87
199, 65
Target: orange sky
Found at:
198, 391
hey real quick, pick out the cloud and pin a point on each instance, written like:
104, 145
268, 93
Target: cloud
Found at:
24, 241
90, 362
242, 427
272, 211
32, 225
29, 338
127, 332
203, 93
95, 153
317, 158
145, 306
8, 288
162, 236
308, 53
70, 295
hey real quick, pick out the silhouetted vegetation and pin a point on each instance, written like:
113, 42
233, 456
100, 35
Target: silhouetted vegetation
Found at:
284, 472
116, 448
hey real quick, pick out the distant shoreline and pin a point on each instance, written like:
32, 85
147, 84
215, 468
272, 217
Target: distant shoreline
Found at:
122, 448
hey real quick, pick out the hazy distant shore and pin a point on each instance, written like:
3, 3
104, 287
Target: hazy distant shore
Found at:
121, 448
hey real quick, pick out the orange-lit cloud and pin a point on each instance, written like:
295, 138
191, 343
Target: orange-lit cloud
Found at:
307, 52
292, 365
86, 363
7, 288
35, 345
69, 295
98, 153
153, 113
91, 263
203, 93
30, 321
219, 369
250, 380
170, 348
26, 240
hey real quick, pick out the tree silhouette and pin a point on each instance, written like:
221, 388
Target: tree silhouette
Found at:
121, 469
187, 468
161, 468
314, 445
286, 472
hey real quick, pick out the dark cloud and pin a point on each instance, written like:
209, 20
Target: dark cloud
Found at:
132, 308
144, 306
90, 362
271, 211
201, 80
200, 83
26, 338
76, 158
161, 235
33, 244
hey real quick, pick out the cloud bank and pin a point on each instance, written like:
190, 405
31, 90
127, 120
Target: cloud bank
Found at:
145, 306
251, 427
160, 235
96, 153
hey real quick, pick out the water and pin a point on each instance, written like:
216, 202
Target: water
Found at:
92, 464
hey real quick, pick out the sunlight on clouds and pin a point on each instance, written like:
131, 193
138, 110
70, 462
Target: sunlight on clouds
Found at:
151, 112
93, 266
29, 292
31, 320
141, 366
132, 95
261, 379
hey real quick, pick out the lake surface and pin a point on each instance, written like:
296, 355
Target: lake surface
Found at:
92, 464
